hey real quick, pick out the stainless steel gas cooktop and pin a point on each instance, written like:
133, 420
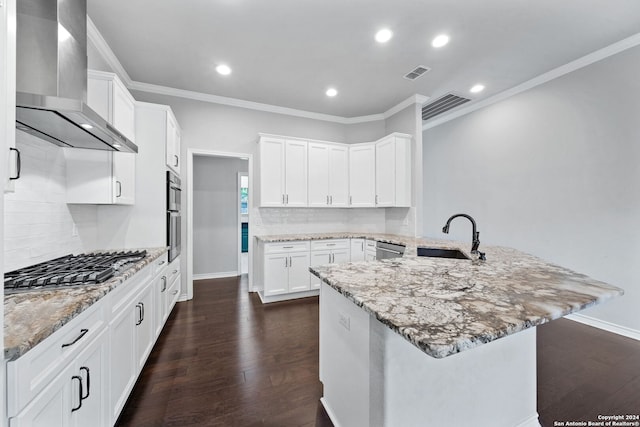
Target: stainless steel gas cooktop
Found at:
70, 270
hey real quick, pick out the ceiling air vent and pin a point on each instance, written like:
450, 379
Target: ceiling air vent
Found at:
442, 105
416, 72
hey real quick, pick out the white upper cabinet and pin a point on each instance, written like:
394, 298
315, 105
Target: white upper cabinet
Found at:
283, 172
393, 170
108, 96
362, 175
300, 173
100, 177
8, 93
328, 175
173, 143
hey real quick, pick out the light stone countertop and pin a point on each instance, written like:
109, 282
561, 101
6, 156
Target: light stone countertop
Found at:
445, 306
30, 317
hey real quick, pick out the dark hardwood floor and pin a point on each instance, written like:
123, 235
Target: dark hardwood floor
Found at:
225, 359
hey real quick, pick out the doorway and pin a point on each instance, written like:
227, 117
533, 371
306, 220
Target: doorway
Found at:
219, 203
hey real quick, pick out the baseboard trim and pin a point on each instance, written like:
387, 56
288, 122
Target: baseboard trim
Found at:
327, 408
287, 297
532, 421
606, 326
215, 275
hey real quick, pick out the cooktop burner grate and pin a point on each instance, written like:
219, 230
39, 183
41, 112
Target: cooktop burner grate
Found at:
70, 270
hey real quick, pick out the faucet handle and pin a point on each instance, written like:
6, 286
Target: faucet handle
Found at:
481, 256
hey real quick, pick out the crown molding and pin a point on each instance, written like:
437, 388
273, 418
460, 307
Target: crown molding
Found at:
105, 51
582, 62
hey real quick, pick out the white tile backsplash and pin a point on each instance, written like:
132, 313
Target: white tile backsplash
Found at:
313, 220
38, 224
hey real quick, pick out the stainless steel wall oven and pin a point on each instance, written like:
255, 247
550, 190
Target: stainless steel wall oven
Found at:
174, 193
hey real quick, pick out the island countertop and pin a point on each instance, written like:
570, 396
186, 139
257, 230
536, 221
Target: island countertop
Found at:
445, 306
30, 317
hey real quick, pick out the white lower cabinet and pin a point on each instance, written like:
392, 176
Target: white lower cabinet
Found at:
83, 373
370, 250
286, 268
328, 252
76, 397
357, 250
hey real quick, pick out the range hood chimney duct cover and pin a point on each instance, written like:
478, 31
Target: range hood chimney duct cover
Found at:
51, 77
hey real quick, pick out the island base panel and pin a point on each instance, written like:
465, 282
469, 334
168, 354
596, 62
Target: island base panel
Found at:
373, 376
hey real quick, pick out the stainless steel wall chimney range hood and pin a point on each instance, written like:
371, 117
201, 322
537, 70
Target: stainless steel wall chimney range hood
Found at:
51, 78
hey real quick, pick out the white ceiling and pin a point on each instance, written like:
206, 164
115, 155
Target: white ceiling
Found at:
288, 52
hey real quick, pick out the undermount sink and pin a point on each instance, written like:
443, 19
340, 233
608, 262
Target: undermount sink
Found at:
442, 253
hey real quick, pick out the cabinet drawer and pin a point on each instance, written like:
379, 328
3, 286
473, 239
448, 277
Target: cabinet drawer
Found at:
370, 244
330, 244
158, 265
173, 271
31, 373
121, 295
271, 248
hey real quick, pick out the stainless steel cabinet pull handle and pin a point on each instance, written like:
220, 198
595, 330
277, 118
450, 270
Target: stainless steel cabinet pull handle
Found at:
287, 199
286, 261
327, 199
164, 283
362, 246
139, 307
376, 199
331, 244
83, 332
287, 247
174, 271
79, 378
177, 160
161, 262
330, 200
350, 200
283, 199
290, 261
84, 368
119, 185
18, 163
175, 292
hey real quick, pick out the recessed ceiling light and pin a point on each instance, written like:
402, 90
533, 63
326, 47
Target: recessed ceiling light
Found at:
331, 92
86, 126
384, 35
440, 40
223, 69
477, 88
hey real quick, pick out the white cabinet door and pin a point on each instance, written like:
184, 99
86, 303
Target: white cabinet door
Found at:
92, 369
318, 258
370, 256
144, 325
385, 172
124, 175
318, 175
357, 250
338, 176
100, 177
296, 173
160, 287
52, 406
299, 271
124, 110
362, 175
340, 256
8, 91
173, 143
276, 274
122, 358
272, 172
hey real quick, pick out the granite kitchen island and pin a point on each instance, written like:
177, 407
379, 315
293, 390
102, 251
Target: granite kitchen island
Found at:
419, 341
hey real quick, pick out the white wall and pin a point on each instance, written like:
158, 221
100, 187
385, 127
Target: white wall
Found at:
215, 214
552, 171
38, 224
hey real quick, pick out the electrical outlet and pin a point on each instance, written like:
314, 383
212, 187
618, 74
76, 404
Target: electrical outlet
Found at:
74, 230
345, 321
